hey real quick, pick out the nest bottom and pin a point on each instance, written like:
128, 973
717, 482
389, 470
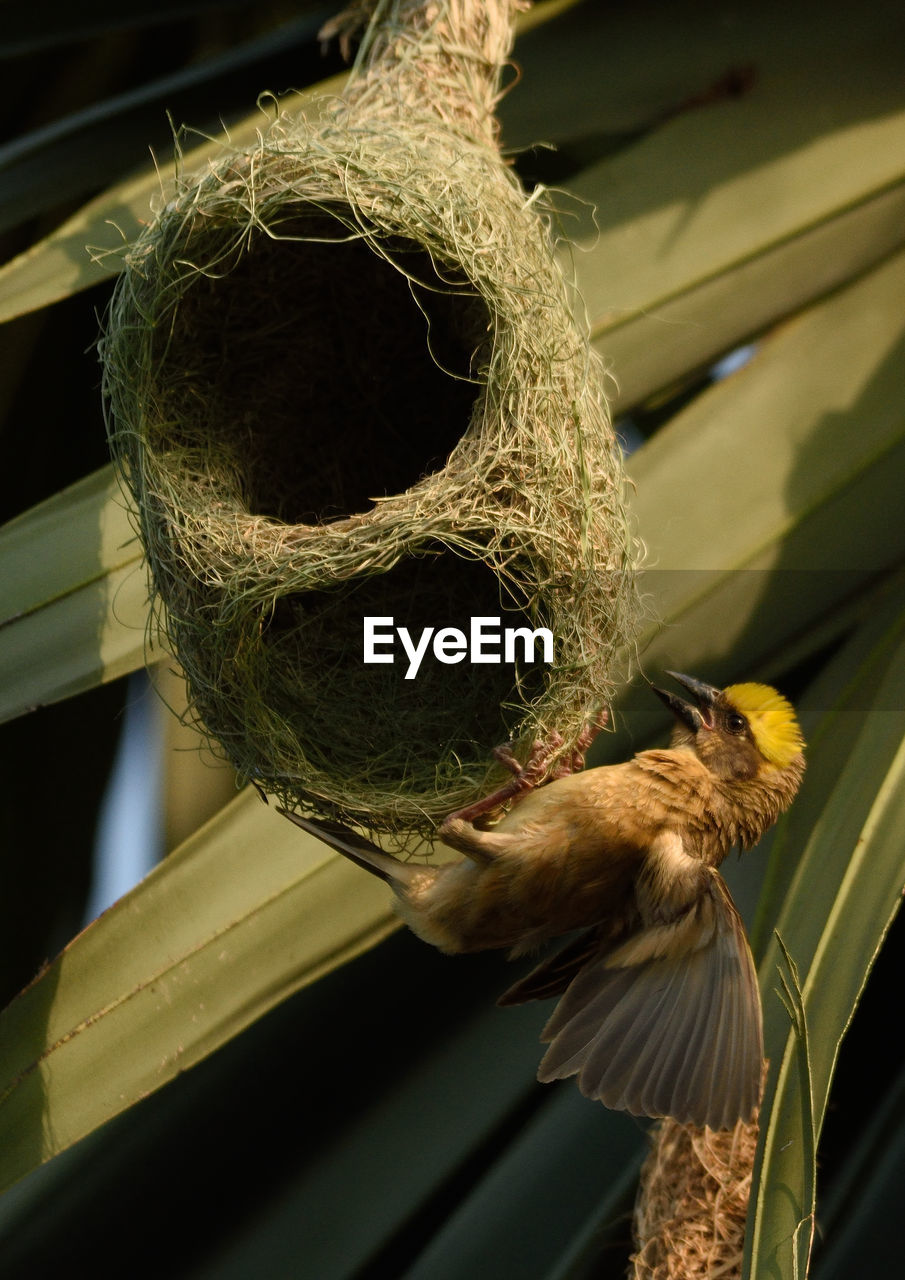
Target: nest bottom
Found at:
285, 697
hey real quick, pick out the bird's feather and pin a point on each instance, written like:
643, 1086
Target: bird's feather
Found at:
659, 1030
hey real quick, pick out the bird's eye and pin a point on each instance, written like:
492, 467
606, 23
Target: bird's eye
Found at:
736, 723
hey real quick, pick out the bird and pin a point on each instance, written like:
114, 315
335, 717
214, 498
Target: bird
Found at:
658, 1009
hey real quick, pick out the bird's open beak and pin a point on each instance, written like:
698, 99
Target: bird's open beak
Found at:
695, 717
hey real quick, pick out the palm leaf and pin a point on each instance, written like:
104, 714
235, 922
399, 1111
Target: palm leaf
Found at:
830, 921
718, 217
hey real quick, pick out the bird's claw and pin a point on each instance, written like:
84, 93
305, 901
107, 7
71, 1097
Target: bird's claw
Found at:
532, 771
536, 769
576, 758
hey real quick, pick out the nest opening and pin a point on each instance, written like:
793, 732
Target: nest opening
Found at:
329, 374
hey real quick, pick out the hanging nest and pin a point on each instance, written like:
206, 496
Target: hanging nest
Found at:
343, 379
693, 1203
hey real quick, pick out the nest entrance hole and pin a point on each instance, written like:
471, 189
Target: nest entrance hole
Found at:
320, 375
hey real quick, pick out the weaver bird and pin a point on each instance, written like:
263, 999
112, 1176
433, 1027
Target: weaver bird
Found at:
659, 1012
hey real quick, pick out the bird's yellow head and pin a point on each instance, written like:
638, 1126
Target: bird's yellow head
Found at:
772, 720
744, 731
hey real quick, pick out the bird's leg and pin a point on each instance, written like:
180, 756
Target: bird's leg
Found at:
524, 778
575, 761
461, 830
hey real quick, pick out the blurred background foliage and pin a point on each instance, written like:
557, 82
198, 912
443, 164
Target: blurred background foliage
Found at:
732, 183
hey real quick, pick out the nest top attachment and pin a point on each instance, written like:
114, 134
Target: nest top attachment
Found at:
344, 382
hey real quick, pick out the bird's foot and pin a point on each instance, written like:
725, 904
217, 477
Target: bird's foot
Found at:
535, 770
574, 762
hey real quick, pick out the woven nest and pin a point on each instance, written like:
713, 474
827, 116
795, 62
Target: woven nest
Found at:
343, 379
692, 1207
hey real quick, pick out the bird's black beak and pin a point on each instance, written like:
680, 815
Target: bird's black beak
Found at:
695, 717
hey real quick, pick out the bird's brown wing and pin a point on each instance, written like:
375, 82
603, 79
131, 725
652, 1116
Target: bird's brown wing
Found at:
669, 1022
